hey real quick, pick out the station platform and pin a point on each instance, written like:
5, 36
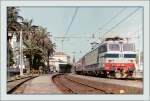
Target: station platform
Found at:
42, 85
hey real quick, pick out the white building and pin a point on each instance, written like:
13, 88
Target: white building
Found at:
15, 47
58, 59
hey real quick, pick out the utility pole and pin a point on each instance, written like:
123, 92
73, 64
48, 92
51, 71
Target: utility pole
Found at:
73, 60
74, 56
62, 43
21, 55
139, 58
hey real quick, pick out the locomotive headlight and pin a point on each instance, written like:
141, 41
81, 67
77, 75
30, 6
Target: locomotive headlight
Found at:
131, 60
109, 60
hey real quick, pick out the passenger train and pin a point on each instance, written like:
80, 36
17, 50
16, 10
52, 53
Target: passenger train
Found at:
114, 57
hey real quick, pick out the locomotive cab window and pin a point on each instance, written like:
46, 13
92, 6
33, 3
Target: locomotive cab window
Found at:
114, 47
128, 47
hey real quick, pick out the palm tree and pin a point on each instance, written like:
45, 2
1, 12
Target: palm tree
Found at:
28, 29
38, 46
10, 57
50, 52
13, 26
32, 51
45, 44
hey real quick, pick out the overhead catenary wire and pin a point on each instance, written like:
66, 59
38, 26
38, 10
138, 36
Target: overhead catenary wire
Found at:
121, 21
112, 18
104, 24
115, 16
73, 17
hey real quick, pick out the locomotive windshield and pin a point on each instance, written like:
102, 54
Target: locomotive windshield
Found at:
128, 47
114, 47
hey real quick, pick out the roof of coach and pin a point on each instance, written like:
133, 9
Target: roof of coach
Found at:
92, 50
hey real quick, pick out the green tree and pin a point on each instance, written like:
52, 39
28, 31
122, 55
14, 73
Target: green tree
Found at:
10, 61
37, 45
13, 26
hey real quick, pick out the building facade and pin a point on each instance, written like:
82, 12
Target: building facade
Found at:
58, 59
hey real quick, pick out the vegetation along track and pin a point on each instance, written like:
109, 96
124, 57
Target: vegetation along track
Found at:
70, 86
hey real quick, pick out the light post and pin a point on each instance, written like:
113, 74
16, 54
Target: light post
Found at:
139, 41
21, 55
62, 42
74, 64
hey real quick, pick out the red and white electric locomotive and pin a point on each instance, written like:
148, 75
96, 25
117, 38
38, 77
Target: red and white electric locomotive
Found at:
114, 57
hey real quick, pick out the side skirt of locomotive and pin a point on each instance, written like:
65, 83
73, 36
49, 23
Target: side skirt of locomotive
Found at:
110, 73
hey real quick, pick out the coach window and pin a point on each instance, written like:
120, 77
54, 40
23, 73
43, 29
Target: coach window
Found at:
114, 47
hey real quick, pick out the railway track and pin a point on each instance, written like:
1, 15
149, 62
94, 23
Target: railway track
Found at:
127, 79
132, 79
80, 85
17, 86
70, 86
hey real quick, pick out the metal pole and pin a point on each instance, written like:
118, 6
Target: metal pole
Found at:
139, 48
62, 45
74, 64
21, 61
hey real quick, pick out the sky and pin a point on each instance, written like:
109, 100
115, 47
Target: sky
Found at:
87, 21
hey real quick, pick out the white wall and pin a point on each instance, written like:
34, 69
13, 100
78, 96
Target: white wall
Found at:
56, 62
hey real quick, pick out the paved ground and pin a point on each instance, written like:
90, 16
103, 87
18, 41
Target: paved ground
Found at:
42, 85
